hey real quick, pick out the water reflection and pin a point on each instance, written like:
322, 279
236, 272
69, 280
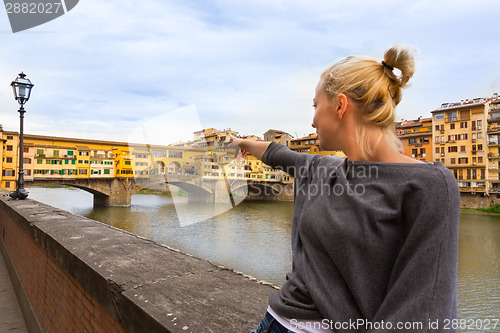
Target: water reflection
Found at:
479, 267
254, 237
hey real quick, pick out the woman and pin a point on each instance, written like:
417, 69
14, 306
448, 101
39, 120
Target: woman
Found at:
374, 235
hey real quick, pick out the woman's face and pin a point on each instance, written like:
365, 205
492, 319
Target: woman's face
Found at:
326, 120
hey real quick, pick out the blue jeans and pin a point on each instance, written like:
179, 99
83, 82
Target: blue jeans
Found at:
270, 325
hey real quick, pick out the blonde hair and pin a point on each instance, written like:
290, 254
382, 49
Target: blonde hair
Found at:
377, 89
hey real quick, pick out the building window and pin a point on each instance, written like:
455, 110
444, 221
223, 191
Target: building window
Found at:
39, 161
463, 124
452, 126
127, 163
70, 153
452, 116
83, 153
7, 184
9, 159
26, 160
9, 148
10, 137
479, 125
26, 149
56, 153
39, 151
480, 147
452, 161
106, 171
483, 173
462, 148
479, 135
439, 116
480, 159
452, 149
175, 154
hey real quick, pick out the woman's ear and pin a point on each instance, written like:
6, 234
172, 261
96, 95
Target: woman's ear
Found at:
342, 101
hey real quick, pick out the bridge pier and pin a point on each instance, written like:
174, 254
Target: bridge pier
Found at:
121, 190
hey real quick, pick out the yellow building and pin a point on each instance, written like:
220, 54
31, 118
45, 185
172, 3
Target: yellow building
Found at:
416, 137
278, 136
459, 131
493, 132
9, 159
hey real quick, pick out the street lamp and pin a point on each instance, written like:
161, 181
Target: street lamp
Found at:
22, 90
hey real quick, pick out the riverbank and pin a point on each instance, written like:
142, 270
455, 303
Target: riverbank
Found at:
494, 210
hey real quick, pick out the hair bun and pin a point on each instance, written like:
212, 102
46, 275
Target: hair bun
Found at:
400, 57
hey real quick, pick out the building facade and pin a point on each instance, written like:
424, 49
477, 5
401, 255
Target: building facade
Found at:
416, 138
460, 142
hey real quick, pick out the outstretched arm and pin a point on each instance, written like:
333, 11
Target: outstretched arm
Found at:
256, 148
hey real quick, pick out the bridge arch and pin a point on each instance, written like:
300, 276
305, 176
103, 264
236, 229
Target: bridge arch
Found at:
160, 167
174, 167
195, 192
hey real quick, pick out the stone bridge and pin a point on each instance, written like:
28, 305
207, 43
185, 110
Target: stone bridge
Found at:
118, 191
115, 192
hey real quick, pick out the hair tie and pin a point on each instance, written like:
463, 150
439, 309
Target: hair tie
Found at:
388, 66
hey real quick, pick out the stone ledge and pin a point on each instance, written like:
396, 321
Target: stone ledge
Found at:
145, 286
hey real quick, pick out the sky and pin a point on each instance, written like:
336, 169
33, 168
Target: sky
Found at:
165, 68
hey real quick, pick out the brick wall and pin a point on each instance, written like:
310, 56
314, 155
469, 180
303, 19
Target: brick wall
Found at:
59, 301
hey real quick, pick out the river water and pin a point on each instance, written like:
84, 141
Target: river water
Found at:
254, 238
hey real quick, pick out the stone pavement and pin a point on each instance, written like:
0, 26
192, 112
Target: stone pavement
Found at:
11, 318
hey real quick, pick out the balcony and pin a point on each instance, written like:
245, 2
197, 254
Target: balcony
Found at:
493, 155
472, 189
492, 143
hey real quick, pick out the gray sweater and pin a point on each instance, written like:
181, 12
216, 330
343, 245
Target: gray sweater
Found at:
374, 242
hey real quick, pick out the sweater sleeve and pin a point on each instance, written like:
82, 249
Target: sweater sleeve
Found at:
280, 157
423, 284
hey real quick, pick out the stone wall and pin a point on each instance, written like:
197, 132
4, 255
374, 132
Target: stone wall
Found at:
73, 274
479, 200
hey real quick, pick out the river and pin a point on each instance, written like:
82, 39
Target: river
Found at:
254, 238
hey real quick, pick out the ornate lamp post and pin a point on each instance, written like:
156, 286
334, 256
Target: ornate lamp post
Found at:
22, 90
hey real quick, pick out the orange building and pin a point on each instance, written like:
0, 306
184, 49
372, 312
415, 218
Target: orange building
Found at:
310, 144
416, 137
